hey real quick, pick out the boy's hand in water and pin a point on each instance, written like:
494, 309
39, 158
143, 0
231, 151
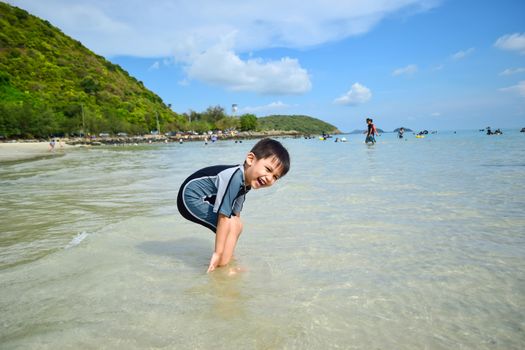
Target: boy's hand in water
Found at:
214, 262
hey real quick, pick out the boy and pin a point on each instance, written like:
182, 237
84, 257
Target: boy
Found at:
213, 197
370, 138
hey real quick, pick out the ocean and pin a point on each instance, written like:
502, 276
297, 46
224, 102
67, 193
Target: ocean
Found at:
405, 244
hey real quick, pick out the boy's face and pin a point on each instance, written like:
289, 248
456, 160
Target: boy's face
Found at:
261, 173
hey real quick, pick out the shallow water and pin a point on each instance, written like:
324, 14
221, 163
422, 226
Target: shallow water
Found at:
416, 244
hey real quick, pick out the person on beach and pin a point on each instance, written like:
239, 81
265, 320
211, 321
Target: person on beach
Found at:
52, 145
214, 196
371, 131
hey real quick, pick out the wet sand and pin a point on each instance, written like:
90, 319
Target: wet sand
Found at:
27, 150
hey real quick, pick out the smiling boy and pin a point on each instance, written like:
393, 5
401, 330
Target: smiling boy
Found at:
213, 197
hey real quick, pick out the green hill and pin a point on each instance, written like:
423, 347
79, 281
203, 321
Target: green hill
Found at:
51, 84
301, 123
406, 129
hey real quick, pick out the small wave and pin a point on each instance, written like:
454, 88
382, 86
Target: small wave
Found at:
77, 239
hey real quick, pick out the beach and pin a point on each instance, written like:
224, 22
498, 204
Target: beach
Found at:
405, 244
14, 151
30, 149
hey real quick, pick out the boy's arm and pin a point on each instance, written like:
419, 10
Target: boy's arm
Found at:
235, 228
220, 239
228, 231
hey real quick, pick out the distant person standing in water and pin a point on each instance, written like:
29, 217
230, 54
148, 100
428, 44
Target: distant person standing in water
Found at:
371, 131
400, 132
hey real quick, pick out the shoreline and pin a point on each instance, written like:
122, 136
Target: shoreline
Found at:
116, 140
26, 150
19, 150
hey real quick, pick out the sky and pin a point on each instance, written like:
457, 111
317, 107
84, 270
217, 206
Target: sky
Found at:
422, 64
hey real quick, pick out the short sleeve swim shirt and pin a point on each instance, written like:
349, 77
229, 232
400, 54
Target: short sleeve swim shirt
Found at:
210, 191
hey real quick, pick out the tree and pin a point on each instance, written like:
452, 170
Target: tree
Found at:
227, 123
90, 85
213, 114
248, 122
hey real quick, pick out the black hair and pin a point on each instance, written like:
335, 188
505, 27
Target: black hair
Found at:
267, 148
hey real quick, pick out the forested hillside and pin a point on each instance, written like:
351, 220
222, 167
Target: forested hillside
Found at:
51, 84
302, 123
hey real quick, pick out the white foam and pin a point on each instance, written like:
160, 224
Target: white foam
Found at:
77, 239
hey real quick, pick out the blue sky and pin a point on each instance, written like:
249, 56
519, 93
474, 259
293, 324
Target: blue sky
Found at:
423, 64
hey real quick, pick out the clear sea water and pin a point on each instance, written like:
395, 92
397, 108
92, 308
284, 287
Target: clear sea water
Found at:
407, 244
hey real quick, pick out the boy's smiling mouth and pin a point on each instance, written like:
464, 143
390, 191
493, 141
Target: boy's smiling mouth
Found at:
261, 182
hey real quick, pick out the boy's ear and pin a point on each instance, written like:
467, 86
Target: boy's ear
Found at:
250, 158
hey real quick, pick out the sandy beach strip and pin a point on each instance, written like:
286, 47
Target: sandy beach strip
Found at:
13, 151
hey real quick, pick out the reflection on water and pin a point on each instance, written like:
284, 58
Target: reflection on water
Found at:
404, 244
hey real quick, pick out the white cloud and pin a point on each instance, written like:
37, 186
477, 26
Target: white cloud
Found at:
408, 70
154, 29
436, 114
192, 33
518, 88
154, 66
512, 42
219, 65
462, 54
358, 94
269, 108
511, 71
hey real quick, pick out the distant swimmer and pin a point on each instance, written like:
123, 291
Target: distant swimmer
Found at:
496, 132
371, 131
400, 132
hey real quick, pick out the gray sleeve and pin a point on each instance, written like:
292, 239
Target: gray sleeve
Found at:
232, 190
237, 205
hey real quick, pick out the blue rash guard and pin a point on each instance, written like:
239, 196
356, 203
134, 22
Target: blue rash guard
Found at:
212, 191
